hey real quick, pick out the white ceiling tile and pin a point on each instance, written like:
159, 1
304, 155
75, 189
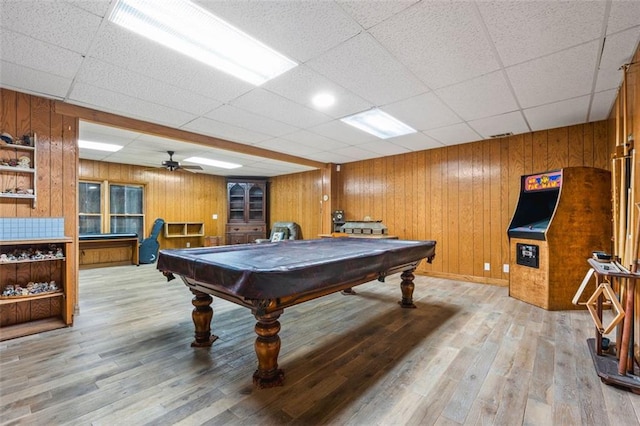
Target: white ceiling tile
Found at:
302, 83
480, 97
370, 13
602, 104
499, 124
367, 69
623, 15
383, 147
416, 142
564, 113
127, 50
300, 30
286, 146
267, 104
441, 42
563, 75
523, 30
248, 120
54, 22
117, 103
616, 53
312, 139
26, 51
331, 157
100, 133
224, 131
116, 79
423, 112
355, 152
453, 135
97, 7
28, 80
342, 132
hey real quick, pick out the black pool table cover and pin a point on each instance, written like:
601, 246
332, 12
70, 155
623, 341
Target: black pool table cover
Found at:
271, 270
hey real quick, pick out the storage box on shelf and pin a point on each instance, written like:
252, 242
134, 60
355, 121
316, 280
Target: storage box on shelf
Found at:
33, 284
18, 167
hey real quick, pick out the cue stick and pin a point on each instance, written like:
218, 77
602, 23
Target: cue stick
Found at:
626, 350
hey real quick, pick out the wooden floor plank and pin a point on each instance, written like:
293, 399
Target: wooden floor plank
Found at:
469, 354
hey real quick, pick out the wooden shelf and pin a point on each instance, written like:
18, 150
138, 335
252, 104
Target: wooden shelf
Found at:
17, 169
13, 299
19, 177
183, 229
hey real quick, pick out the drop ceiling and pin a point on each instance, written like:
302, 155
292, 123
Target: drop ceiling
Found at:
457, 71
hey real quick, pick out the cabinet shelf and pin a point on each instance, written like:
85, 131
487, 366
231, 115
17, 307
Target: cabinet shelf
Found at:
19, 178
12, 299
17, 169
183, 229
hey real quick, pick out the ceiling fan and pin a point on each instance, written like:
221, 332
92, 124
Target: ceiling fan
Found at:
172, 165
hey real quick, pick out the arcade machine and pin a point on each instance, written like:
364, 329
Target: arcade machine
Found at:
562, 216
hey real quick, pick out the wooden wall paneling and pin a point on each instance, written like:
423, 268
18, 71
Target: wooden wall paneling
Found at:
477, 225
465, 210
56, 163
453, 214
527, 140
575, 146
557, 148
540, 152
602, 147
515, 168
420, 197
496, 232
377, 188
410, 181
505, 211
587, 145
8, 123
41, 124
397, 209
69, 199
436, 207
30, 111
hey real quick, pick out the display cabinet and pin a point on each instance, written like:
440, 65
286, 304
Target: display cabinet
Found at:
18, 168
247, 210
34, 286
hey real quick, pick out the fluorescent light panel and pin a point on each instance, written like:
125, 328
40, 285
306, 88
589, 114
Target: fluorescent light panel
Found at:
195, 32
378, 123
99, 146
213, 163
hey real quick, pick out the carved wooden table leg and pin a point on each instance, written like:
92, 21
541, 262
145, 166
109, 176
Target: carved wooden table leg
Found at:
202, 314
267, 347
407, 287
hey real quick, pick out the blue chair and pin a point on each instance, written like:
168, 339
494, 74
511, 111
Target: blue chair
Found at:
150, 246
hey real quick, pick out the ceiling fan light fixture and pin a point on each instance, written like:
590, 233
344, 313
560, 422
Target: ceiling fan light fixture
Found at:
378, 123
98, 146
212, 163
189, 29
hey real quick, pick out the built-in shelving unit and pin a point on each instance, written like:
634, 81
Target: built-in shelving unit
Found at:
18, 169
25, 264
183, 229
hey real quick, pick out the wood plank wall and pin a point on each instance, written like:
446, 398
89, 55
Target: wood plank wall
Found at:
173, 196
298, 198
57, 165
463, 196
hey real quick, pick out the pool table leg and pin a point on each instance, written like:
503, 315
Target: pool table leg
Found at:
267, 348
202, 314
407, 286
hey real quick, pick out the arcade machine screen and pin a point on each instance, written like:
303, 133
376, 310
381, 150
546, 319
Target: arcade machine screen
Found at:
536, 205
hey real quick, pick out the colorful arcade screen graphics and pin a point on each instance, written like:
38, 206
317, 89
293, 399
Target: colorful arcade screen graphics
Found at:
543, 181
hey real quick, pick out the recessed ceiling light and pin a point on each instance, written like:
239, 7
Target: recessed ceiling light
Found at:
191, 30
323, 100
213, 163
378, 123
99, 146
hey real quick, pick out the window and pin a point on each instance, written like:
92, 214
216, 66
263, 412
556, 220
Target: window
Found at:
111, 208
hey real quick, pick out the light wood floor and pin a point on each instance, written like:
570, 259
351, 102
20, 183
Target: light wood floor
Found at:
468, 355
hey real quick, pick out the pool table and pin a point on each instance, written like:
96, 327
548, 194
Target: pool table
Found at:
266, 278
